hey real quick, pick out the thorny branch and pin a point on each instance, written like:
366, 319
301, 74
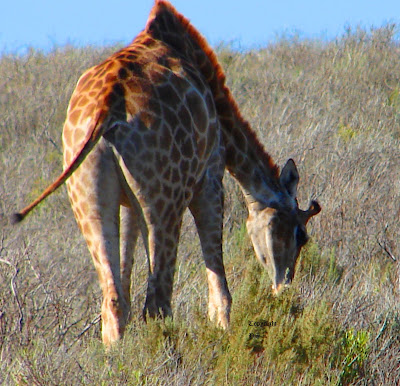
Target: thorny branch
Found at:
14, 287
39, 278
95, 321
384, 245
386, 249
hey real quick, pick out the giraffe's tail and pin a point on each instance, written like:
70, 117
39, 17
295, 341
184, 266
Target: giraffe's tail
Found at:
95, 131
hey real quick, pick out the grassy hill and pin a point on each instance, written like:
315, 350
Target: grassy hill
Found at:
332, 106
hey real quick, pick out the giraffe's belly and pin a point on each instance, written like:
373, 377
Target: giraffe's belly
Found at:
162, 164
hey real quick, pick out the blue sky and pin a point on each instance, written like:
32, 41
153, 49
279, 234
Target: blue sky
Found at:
247, 24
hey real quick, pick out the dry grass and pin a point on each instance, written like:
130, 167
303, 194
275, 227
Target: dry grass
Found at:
335, 108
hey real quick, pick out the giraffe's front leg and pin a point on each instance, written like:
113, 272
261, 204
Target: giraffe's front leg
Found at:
219, 298
207, 210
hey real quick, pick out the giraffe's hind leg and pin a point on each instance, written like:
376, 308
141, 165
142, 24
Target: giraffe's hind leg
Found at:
95, 196
128, 236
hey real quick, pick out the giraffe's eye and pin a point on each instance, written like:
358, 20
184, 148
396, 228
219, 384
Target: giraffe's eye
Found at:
301, 236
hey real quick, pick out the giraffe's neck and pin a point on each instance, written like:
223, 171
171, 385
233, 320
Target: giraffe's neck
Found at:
246, 159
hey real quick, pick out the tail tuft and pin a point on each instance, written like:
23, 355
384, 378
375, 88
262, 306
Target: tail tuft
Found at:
16, 218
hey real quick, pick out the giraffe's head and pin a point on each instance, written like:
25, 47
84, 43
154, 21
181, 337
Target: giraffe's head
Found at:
278, 228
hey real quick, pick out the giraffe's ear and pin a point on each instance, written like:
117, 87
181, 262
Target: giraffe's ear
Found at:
289, 177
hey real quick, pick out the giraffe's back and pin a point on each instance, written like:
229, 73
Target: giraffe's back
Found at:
160, 121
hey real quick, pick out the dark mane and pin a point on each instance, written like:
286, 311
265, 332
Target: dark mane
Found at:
164, 23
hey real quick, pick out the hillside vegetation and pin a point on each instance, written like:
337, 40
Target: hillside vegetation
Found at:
334, 107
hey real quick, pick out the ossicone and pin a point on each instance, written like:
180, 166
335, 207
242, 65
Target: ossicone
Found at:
312, 210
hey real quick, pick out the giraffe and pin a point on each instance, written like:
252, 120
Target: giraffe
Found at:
149, 133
